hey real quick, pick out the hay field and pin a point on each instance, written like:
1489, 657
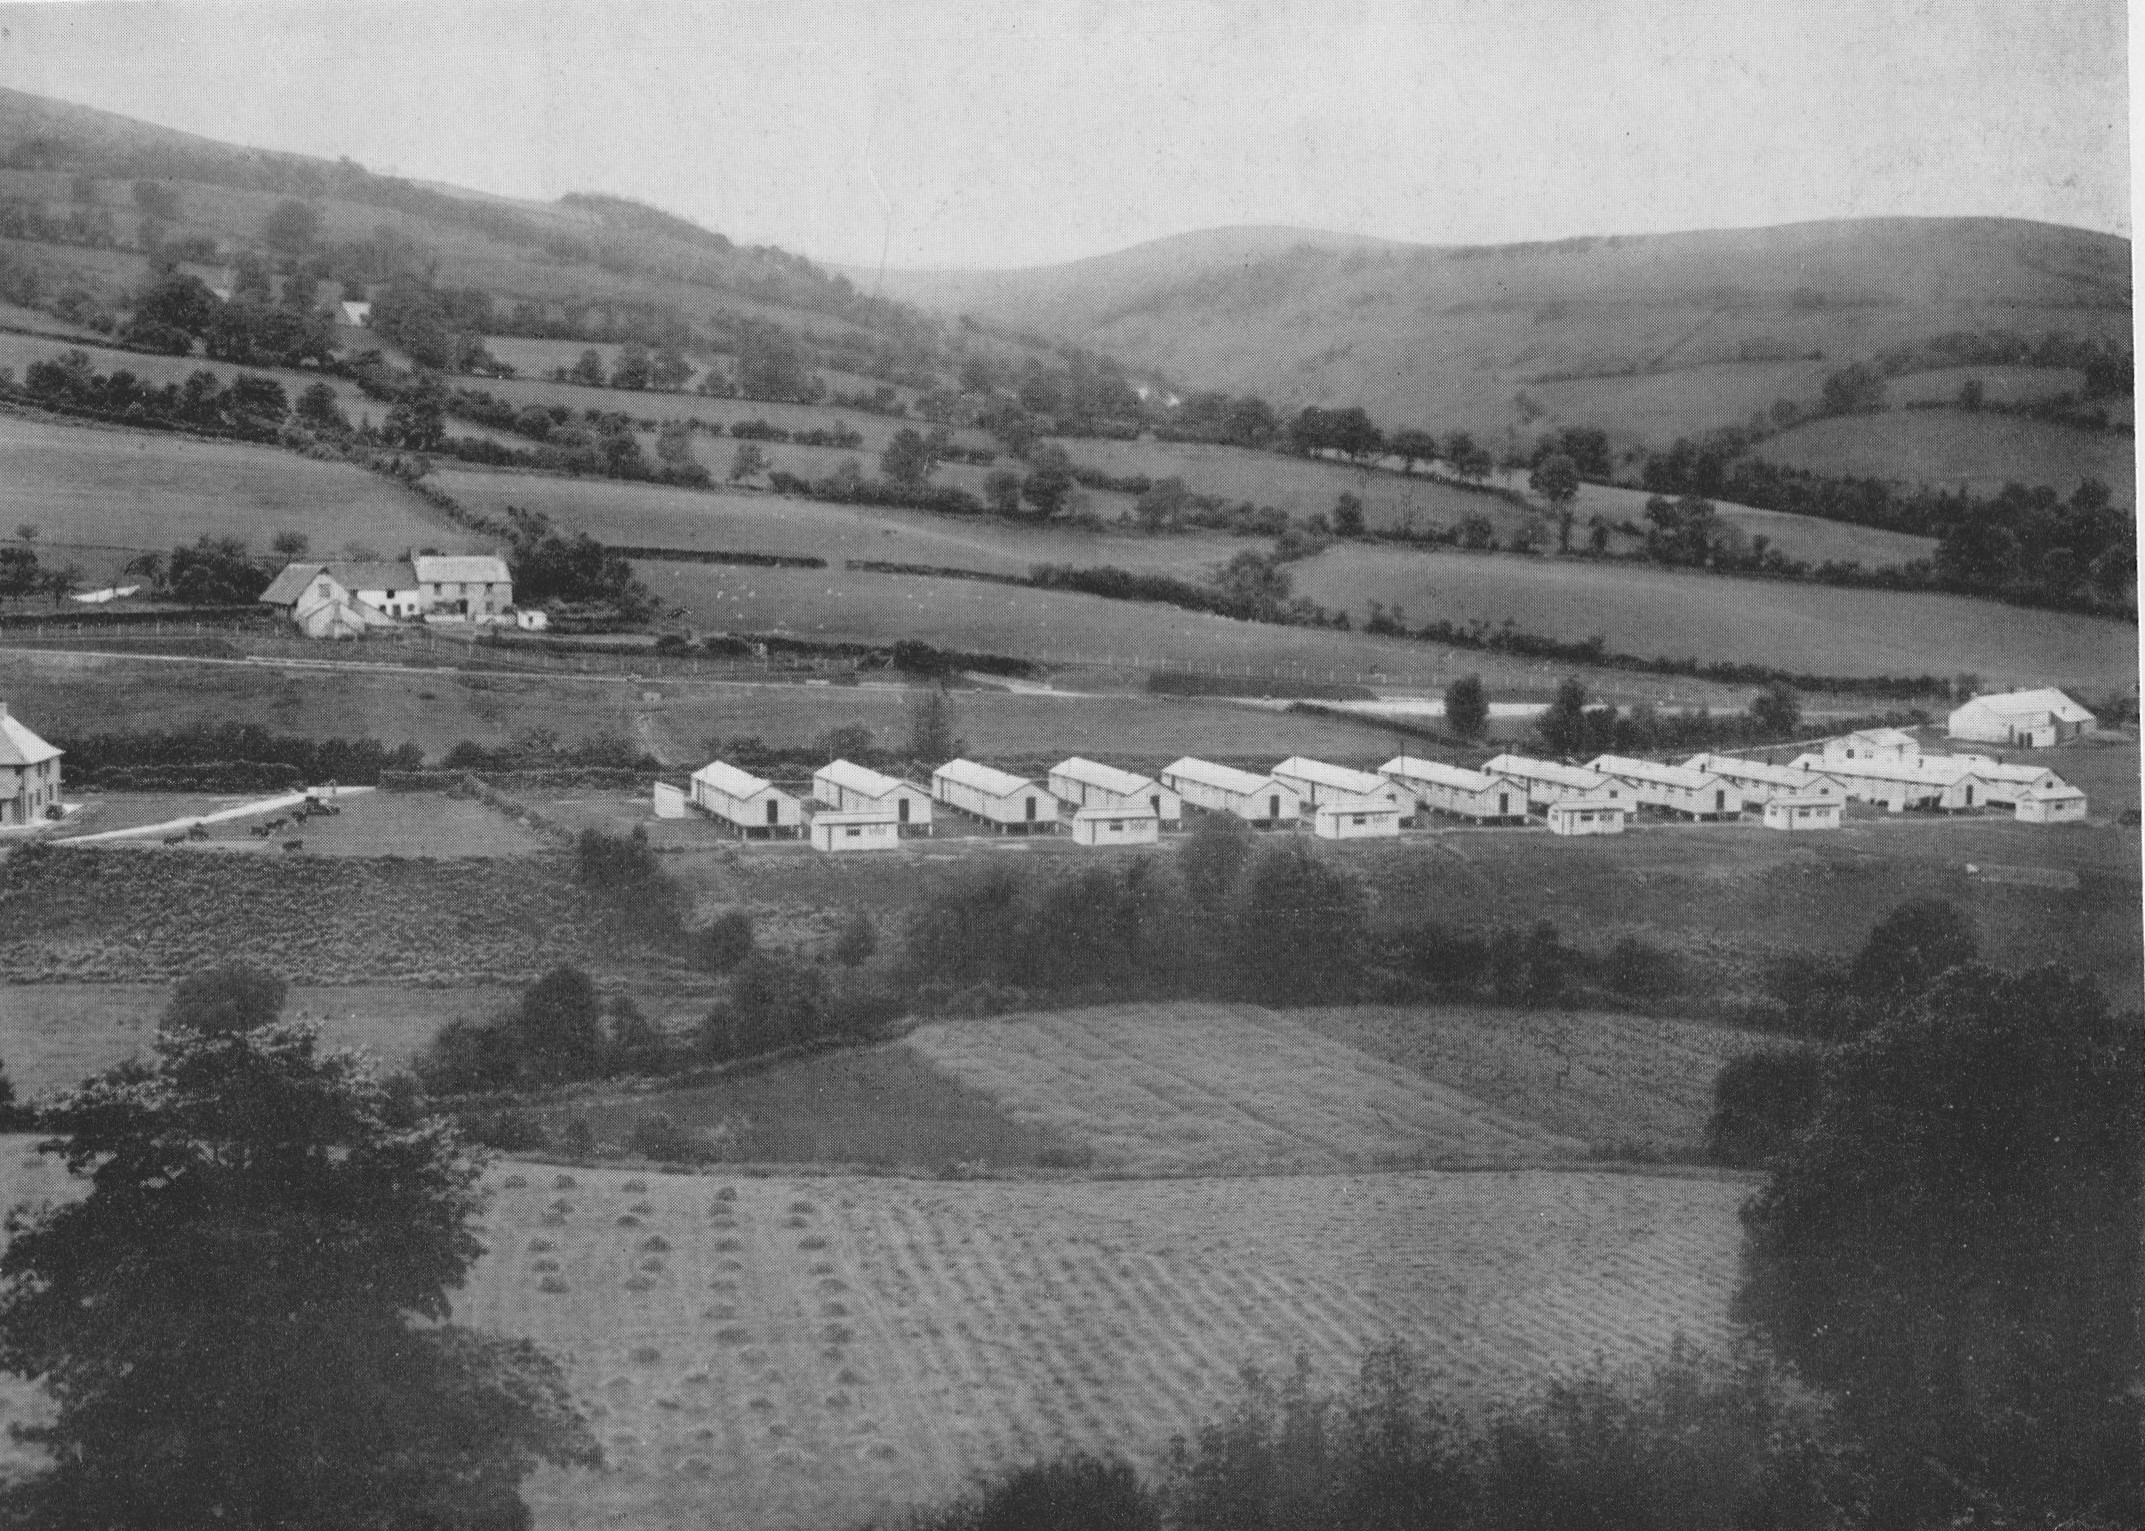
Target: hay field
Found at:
1946, 448
1645, 609
1204, 1089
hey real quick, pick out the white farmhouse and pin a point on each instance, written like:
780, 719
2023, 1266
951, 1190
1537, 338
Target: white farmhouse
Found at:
1003, 801
344, 599
1223, 789
850, 788
1787, 811
2022, 719
1551, 781
465, 588
29, 774
1341, 818
2058, 803
1760, 782
1673, 789
1129, 824
1580, 815
1091, 784
1890, 745
1440, 788
753, 807
871, 829
1316, 782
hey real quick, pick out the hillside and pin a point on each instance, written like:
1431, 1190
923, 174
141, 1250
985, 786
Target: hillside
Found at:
1649, 336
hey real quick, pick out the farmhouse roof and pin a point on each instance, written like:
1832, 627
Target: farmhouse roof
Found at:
1530, 769
1339, 778
983, 778
852, 777
2011, 704
461, 569
1108, 777
287, 586
1409, 768
730, 781
19, 746
1225, 778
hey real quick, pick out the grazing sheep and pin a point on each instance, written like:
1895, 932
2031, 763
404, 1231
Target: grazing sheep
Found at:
174, 839
197, 831
294, 845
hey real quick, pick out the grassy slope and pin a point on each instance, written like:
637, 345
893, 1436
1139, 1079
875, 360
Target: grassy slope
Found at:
1947, 448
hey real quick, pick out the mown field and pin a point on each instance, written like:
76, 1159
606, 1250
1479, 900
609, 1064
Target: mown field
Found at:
1947, 448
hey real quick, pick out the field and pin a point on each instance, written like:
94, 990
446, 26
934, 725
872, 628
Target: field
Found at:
1947, 448
1158, 1090
2000, 385
369, 824
1645, 609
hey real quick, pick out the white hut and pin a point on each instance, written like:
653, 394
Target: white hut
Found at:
868, 829
1222, 789
1891, 746
2060, 803
1673, 789
1003, 801
1132, 824
1588, 815
1552, 781
1316, 782
1950, 786
1760, 782
1091, 784
2022, 719
850, 788
1340, 818
1784, 810
1440, 788
2007, 784
755, 808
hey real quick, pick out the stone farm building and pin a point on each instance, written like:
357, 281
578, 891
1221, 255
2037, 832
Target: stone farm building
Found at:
344, 599
1224, 789
1004, 801
1440, 788
1319, 783
29, 774
850, 788
1091, 784
1673, 789
756, 809
2022, 719
1551, 781
465, 587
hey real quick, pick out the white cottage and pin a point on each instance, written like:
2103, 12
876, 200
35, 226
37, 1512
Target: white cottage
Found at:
29, 774
1340, 818
850, 788
1007, 803
1760, 782
1091, 784
2022, 719
1132, 824
1552, 781
1786, 811
1316, 782
1673, 789
1222, 789
2059, 803
872, 829
1588, 815
1440, 788
756, 809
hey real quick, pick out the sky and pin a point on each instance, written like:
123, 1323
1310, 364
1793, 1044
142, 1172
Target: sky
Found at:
956, 134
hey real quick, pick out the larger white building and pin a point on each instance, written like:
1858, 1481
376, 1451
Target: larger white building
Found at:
1317, 782
1760, 782
1941, 782
1440, 788
755, 808
1223, 789
1006, 802
2022, 719
1552, 781
343, 598
847, 787
1091, 784
1890, 745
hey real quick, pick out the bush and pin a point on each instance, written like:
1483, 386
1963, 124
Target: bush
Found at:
858, 940
656, 1136
510, 1131
1640, 969
727, 941
1760, 1102
1078, 1493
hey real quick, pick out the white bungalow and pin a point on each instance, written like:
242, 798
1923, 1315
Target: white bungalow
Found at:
1091, 784
1673, 789
1760, 782
2022, 719
1899, 785
1891, 745
1552, 781
754, 808
1588, 815
1316, 782
1222, 789
2056, 803
1785, 810
1440, 788
1003, 801
1340, 818
1130, 824
871, 829
850, 788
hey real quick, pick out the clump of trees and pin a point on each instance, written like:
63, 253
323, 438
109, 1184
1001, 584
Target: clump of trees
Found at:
1573, 727
577, 570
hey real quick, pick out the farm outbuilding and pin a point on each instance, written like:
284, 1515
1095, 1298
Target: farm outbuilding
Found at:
1588, 815
1004, 801
755, 808
344, 599
1786, 811
1761, 782
1134, 824
1339, 818
1892, 746
1673, 789
1091, 784
1551, 781
1317, 782
29, 773
2022, 719
2060, 803
1223, 789
872, 829
1440, 788
850, 788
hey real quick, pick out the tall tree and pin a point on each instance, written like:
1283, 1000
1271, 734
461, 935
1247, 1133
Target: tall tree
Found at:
245, 1322
291, 227
907, 459
931, 726
1467, 707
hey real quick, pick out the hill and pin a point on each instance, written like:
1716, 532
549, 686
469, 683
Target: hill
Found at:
1649, 336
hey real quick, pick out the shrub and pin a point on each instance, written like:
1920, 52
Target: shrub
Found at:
858, 940
727, 941
509, 1131
1078, 1493
1639, 968
1760, 1102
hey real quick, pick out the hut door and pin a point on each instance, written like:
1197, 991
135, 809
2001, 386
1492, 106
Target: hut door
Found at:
774, 813
901, 809
1504, 805
1031, 810
1273, 807
1969, 794
1720, 801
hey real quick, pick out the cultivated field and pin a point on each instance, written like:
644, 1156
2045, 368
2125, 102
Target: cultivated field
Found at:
1198, 1089
1645, 609
1947, 448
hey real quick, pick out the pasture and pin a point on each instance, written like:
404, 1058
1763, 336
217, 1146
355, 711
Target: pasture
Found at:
1945, 449
2000, 385
419, 824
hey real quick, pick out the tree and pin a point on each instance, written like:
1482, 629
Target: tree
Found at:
290, 546
633, 369
1467, 707
179, 301
674, 443
906, 460
1908, 950
1049, 480
588, 369
1412, 446
558, 1025
291, 227
1214, 857
748, 460
1952, 1249
319, 408
931, 726
1299, 926
1348, 516
252, 396
156, 199
1760, 1102
858, 940
1777, 710
727, 941
1556, 480
1564, 727
418, 417
1001, 491
246, 1320
1854, 390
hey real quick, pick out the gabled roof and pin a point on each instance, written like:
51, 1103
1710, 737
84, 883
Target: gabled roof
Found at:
729, 780
1649, 770
1339, 778
1885, 738
1927, 771
1591, 805
2054, 789
1529, 769
1129, 811
459, 569
287, 586
855, 778
19, 746
1222, 778
2026, 703
1094, 773
1734, 767
1408, 768
983, 778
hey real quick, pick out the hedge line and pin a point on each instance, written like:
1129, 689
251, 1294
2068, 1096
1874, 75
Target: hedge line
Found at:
704, 555
571, 778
